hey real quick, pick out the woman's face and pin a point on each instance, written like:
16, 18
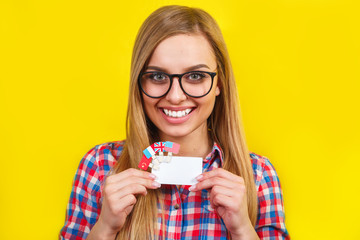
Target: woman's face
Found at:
176, 55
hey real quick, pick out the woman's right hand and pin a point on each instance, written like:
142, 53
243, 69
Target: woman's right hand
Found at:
119, 197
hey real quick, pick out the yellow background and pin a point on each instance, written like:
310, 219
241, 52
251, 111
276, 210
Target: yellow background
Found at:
64, 74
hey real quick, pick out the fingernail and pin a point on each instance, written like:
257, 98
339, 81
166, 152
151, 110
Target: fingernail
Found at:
152, 176
193, 187
156, 184
199, 177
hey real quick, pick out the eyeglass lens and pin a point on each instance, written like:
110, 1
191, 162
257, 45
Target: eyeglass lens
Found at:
156, 84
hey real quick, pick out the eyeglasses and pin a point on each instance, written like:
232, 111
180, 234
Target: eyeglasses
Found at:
194, 84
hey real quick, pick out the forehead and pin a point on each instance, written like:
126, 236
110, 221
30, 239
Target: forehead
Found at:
182, 51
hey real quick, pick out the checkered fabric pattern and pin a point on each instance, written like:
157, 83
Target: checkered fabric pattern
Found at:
187, 215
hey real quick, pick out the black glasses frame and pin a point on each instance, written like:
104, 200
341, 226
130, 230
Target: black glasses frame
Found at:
179, 76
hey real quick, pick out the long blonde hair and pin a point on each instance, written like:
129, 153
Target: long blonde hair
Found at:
224, 122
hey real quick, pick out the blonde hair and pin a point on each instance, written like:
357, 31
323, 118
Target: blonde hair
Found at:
224, 122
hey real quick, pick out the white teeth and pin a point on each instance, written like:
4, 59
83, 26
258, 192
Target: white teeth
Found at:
176, 114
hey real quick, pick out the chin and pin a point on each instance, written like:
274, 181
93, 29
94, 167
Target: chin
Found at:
180, 131
174, 134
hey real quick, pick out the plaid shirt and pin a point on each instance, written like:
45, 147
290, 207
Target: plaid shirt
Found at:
188, 215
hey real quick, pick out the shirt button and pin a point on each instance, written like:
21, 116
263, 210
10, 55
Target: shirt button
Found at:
176, 206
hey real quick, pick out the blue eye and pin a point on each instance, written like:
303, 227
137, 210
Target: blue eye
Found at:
196, 77
158, 77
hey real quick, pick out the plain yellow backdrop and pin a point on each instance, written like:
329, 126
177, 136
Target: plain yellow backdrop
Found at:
64, 74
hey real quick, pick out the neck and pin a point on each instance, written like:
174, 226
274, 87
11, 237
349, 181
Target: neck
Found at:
196, 144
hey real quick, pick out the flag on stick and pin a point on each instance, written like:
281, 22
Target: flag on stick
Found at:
172, 147
144, 163
149, 152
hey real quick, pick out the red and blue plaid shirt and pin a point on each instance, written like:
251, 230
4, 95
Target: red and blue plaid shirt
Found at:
188, 215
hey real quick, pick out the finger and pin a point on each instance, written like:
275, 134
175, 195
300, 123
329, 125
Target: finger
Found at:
118, 186
130, 187
121, 200
133, 189
122, 205
236, 194
228, 197
128, 209
219, 172
224, 201
225, 191
116, 182
129, 173
214, 181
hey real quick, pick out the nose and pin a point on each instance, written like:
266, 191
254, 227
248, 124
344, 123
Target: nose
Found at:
175, 95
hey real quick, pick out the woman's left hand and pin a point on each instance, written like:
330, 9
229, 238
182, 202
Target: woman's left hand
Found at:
228, 198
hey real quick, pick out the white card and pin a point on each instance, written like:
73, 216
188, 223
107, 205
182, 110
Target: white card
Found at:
179, 171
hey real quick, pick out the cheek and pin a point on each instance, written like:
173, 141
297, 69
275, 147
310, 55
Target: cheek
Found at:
208, 104
149, 105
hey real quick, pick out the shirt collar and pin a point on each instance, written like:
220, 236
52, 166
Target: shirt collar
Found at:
216, 151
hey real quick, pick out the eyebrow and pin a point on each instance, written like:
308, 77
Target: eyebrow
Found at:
192, 68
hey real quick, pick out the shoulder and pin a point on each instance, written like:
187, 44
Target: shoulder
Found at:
108, 151
101, 150
101, 158
262, 169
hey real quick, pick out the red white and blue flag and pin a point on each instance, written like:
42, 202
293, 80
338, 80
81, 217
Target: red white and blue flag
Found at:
172, 147
158, 147
149, 152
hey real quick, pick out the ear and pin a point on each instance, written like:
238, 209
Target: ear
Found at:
217, 91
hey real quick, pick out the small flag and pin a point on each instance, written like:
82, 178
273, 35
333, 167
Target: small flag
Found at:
149, 152
168, 145
172, 147
175, 148
150, 159
144, 163
158, 147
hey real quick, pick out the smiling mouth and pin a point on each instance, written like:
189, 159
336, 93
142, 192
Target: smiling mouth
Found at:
176, 114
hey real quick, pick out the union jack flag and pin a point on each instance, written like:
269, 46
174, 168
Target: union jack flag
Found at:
158, 147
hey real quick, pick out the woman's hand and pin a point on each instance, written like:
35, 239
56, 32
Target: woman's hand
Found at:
120, 191
228, 198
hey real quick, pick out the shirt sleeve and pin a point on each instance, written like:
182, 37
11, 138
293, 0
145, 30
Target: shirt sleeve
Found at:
83, 207
271, 216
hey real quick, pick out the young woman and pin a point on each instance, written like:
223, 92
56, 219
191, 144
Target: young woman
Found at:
182, 90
